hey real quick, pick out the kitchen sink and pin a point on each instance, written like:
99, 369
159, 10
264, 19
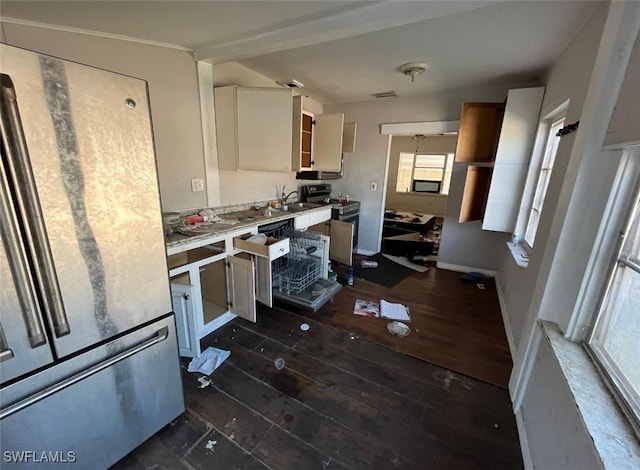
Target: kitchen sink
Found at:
301, 206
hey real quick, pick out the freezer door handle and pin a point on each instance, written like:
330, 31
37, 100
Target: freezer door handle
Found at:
20, 167
158, 337
5, 352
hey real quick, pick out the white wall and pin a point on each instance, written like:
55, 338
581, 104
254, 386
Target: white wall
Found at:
589, 73
567, 79
369, 162
424, 203
173, 90
557, 437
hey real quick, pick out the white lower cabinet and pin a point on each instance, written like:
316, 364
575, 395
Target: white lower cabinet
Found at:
208, 294
213, 284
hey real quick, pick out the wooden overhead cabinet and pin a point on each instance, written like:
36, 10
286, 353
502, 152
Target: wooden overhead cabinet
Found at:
497, 140
253, 128
479, 132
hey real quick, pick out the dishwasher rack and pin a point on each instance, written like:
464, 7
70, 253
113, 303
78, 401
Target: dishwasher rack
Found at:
300, 269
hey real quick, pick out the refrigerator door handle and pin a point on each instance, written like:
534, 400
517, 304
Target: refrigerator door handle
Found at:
160, 335
29, 205
16, 255
5, 352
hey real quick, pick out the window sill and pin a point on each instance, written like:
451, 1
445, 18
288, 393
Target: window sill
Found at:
611, 432
520, 255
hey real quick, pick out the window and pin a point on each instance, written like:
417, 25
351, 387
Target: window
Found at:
614, 339
544, 175
430, 173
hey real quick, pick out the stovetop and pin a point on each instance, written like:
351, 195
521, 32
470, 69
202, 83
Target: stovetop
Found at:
342, 202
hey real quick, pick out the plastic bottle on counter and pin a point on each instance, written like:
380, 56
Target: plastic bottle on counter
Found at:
195, 219
350, 276
368, 264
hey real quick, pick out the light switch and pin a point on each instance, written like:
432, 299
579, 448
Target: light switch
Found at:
374, 186
197, 185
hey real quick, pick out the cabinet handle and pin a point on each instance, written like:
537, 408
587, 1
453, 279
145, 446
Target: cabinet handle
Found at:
186, 296
312, 162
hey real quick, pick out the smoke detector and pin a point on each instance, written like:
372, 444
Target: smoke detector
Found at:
293, 83
413, 69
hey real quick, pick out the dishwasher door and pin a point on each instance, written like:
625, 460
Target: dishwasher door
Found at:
313, 297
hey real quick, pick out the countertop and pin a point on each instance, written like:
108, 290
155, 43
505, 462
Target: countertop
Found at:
238, 221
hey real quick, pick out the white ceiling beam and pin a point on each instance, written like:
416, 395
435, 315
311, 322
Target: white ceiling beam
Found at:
359, 20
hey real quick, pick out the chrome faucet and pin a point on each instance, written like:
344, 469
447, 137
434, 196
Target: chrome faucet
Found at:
285, 198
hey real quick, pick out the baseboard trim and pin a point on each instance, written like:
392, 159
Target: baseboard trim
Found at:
505, 320
465, 269
524, 442
365, 252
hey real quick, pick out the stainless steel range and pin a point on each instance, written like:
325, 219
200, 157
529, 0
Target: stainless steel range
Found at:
347, 211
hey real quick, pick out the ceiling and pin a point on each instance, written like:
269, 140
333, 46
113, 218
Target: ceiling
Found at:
341, 51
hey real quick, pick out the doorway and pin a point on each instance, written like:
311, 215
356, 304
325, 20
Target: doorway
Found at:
417, 186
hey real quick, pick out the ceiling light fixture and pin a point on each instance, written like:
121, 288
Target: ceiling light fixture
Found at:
413, 69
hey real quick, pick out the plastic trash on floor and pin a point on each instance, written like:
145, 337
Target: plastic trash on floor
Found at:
210, 359
398, 328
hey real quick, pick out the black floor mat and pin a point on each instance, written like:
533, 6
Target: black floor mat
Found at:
387, 274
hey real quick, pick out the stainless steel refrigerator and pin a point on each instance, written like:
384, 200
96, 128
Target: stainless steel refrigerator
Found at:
88, 353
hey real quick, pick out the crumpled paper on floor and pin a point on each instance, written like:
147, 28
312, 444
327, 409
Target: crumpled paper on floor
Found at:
210, 359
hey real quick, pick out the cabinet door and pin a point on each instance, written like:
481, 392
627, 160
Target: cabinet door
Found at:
341, 247
264, 284
349, 137
242, 287
474, 198
182, 297
326, 151
512, 158
479, 132
264, 129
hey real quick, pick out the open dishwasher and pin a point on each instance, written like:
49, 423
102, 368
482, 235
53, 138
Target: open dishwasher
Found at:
300, 278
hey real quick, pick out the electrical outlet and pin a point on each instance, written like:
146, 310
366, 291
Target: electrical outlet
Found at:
374, 186
197, 185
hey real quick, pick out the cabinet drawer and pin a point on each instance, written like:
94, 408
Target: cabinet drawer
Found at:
273, 249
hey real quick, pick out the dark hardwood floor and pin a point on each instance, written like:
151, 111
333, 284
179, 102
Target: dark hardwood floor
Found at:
454, 324
346, 397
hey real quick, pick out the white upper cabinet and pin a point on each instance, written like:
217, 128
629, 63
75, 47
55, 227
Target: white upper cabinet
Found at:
253, 128
316, 139
517, 135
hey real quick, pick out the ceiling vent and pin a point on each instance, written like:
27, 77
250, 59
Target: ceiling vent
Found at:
385, 94
293, 83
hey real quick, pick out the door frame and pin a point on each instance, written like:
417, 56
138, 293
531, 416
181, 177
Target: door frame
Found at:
407, 129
